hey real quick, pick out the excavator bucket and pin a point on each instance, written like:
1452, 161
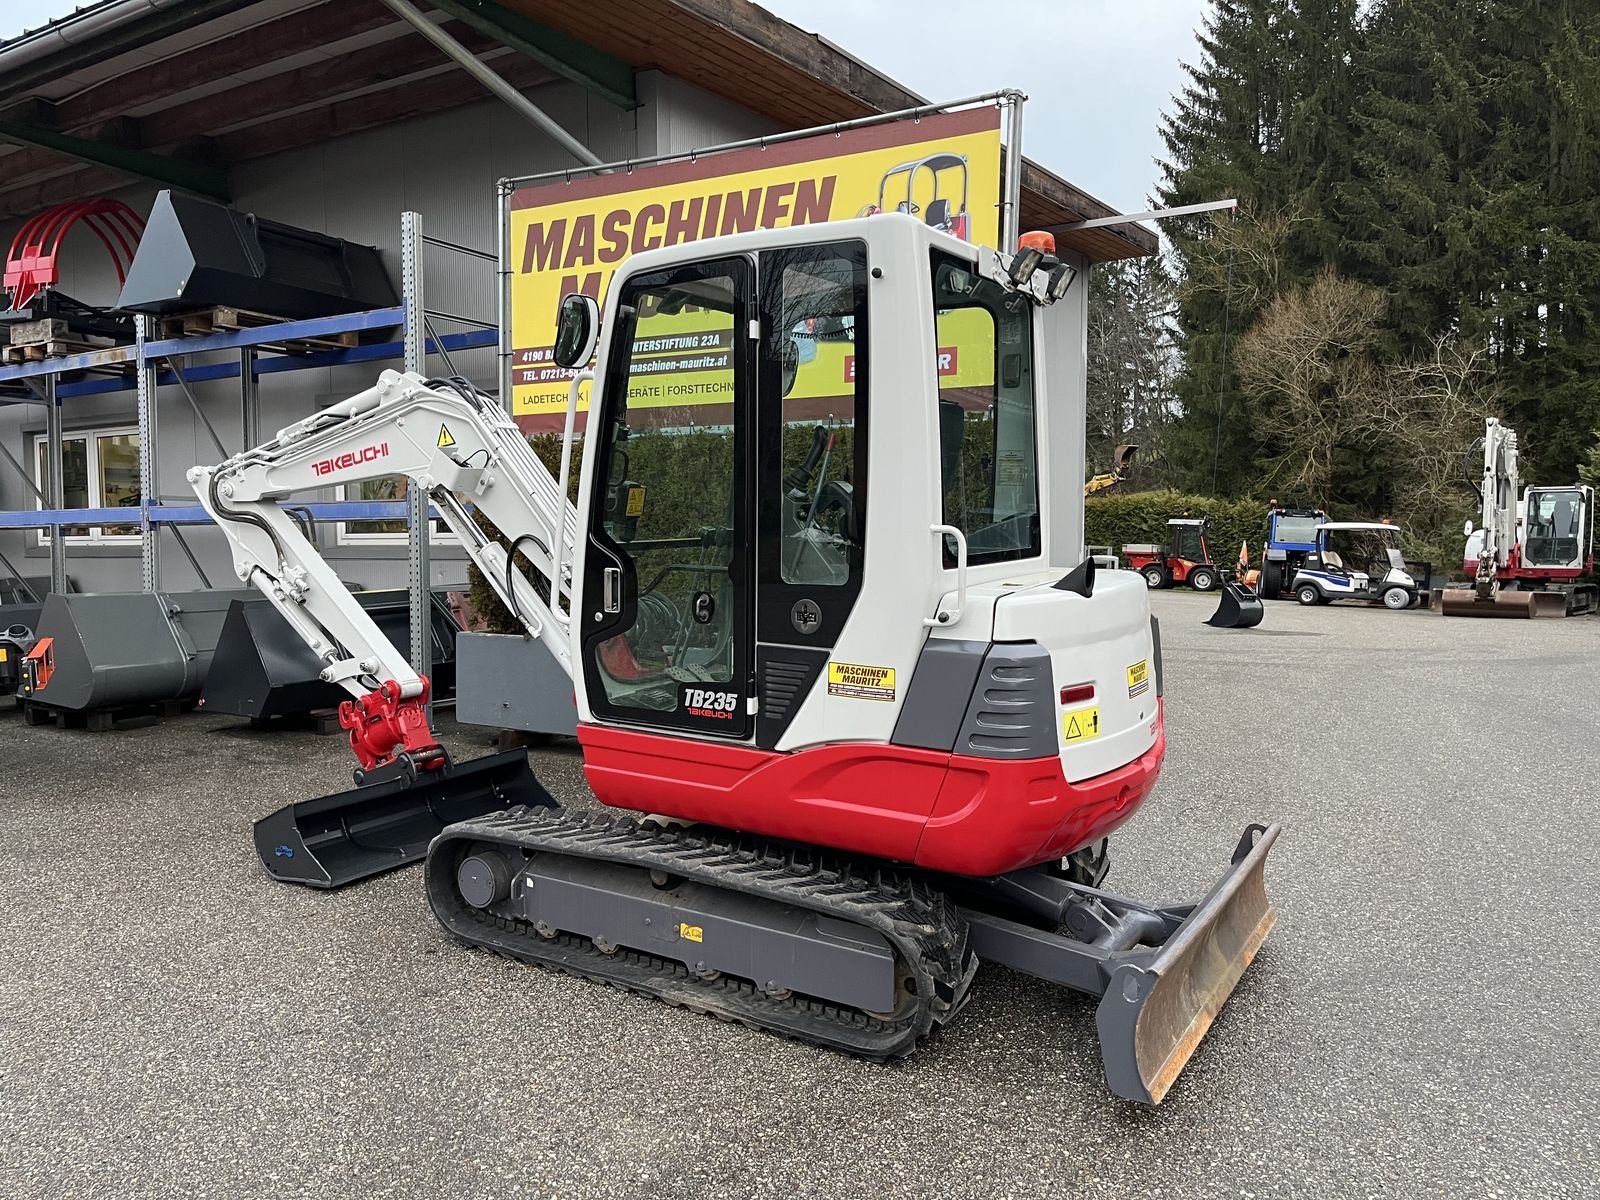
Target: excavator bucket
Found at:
1122, 458
1465, 602
1155, 1012
1237, 608
338, 839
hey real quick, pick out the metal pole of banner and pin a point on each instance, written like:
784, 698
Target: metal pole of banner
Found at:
776, 139
149, 481
502, 298
1011, 218
1154, 214
55, 485
420, 575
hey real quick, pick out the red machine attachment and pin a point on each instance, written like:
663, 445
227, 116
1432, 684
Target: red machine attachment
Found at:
31, 262
383, 726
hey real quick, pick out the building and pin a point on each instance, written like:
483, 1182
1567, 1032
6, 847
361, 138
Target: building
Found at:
336, 116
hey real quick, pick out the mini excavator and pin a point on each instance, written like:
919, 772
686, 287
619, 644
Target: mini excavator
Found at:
861, 712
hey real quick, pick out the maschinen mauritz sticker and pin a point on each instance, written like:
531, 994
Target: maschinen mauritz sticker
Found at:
860, 682
1138, 678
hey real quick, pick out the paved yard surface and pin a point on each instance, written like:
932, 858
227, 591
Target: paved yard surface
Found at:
1424, 1021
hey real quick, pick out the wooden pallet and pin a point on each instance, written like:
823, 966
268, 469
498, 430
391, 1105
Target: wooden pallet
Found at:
224, 319
102, 720
55, 348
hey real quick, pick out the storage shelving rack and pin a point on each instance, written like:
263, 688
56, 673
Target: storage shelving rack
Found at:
139, 368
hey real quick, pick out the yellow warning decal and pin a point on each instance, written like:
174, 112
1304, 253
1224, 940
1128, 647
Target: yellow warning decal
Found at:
1138, 678
635, 502
860, 683
3, 653
1080, 725
691, 933
445, 440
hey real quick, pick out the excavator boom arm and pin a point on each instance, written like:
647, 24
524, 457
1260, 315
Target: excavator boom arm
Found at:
445, 437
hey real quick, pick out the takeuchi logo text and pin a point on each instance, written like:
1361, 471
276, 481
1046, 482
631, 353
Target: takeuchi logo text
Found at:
352, 458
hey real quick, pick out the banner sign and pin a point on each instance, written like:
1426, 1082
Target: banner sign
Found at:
570, 236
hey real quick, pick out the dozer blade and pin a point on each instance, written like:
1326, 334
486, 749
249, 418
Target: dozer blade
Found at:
1464, 602
1154, 1014
1237, 608
338, 839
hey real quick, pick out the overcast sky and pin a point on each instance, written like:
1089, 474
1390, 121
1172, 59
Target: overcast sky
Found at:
1097, 72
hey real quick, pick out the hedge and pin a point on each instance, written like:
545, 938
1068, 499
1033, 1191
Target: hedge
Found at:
1128, 517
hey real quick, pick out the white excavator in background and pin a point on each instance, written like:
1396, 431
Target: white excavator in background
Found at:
867, 710
1532, 553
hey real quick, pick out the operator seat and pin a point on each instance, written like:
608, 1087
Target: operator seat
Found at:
1561, 522
1330, 558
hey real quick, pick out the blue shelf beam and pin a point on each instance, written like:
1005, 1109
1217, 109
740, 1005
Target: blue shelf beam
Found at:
376, 352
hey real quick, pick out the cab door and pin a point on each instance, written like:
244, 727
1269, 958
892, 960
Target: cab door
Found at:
668, 614
812, 372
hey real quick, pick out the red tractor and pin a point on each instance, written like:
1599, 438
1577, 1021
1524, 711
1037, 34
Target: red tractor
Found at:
1185, 558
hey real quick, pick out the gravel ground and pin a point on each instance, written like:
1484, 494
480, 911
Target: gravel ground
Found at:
1423, 1021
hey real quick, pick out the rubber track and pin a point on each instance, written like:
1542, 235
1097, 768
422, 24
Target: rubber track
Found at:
921, 923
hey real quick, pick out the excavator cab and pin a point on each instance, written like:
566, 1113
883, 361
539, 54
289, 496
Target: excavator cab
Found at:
1556, 527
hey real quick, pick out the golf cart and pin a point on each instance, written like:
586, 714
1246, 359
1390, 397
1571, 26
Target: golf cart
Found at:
1357, 560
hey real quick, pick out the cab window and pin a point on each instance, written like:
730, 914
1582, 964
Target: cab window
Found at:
989, 454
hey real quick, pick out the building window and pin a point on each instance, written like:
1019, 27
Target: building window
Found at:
99, 469
385, 533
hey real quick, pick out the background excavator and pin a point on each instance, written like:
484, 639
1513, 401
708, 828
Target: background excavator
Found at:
1531, 555
1121, 460
866, 712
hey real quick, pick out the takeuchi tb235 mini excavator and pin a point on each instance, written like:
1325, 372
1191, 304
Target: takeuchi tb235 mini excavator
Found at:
1533, 554
867, 712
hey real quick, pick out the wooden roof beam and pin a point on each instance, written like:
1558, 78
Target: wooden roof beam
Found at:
222, 59
606, 76
165, 169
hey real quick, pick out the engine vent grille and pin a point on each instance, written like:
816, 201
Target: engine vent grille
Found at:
1012, 712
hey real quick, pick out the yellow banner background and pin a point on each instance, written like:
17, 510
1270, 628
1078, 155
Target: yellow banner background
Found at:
562, 242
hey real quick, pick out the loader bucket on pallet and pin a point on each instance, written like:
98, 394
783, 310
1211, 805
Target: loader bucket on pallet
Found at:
1156, 1012
1237, 608
338, 839
1464, 602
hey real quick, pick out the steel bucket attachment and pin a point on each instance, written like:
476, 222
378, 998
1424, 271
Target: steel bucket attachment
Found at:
338, 839
1465, 602
1155, 1013
1237, 608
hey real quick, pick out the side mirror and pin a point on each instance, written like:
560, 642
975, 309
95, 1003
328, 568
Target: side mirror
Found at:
1467, 530
577, 331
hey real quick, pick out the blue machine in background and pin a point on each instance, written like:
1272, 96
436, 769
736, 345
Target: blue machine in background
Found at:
1290, 540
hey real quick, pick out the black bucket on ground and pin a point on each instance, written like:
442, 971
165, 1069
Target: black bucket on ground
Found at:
263, 670
1237, 608
338, 839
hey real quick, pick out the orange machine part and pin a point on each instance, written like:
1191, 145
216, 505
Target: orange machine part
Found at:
43, 656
